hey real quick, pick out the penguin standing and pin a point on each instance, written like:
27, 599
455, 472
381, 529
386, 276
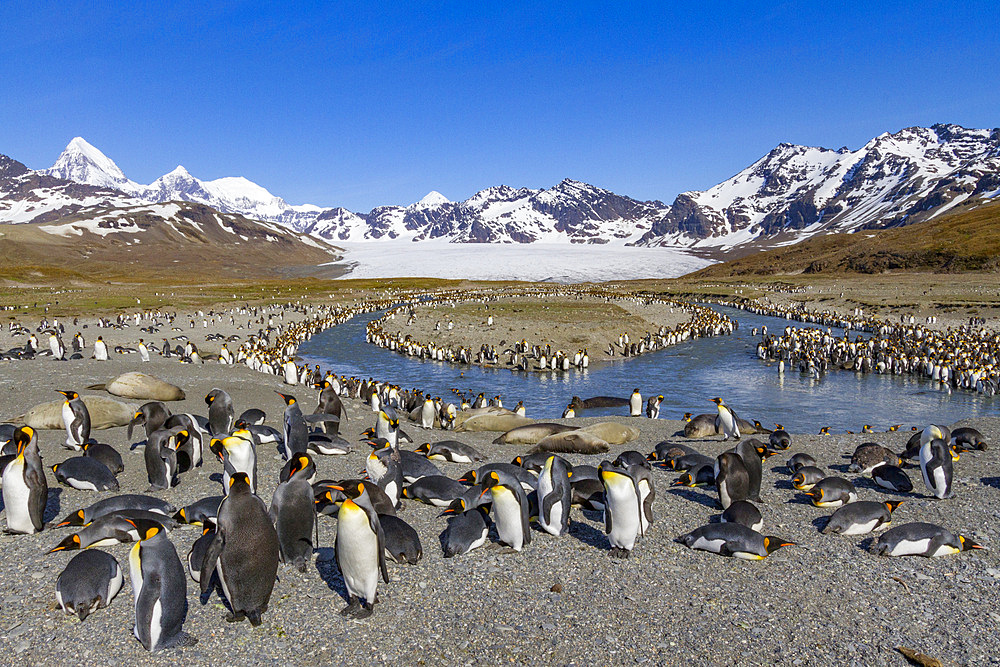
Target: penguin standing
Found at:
387, 425
750, 455
244, 552
510, 510
360, 551
635, 403
25, 490
220, 412
159, 589
622, 509
76, 419
89, 582
152, 416
732, 480
57, 347
384, 467
555, 495
653, 406
295, 430
161, 458
427, 412
936, 468
292, 511
100, 349
728, 421
238, 454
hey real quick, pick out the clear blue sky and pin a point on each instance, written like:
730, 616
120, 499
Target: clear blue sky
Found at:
363, 104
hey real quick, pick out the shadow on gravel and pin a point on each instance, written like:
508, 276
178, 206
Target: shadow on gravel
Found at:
991, 481
784, 484
841, 468
326, 566
52, 505
820, 522
589, 535
694, 496
800, 499
866, 544
782, 470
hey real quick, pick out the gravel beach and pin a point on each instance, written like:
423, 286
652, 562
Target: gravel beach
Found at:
559, 601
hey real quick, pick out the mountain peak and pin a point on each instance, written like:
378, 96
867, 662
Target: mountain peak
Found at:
83, 163
179, 172
432, 198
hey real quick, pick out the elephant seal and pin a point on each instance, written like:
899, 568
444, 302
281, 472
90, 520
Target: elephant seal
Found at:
530, 434
598, 402
104, 413
702, 426
141, 386
488, 422
464, 415
572, 442
612, 432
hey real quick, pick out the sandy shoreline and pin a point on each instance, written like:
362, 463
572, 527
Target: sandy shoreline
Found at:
825, 601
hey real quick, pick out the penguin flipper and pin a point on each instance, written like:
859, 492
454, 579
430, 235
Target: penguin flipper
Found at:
211, 559
148, 597
37, 497
380, 545
607, 520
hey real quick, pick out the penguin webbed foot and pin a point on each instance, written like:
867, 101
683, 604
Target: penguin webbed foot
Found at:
237, 617
354, 604
254, 618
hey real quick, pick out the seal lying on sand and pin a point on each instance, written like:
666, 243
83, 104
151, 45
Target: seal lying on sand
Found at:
572, 442
141, 386
531, 434
612, 432
104, 413
495, 422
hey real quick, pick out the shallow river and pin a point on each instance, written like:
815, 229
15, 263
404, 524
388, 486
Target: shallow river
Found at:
687, 375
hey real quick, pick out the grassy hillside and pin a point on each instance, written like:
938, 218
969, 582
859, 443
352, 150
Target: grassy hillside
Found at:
965, 240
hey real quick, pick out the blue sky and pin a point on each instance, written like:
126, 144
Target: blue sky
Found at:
363, 104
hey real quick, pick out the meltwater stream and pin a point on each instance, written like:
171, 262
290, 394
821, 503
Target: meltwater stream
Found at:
687, 375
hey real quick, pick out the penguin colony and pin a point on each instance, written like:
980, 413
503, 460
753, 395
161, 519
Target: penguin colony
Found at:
524, 356
963, 357
244, 540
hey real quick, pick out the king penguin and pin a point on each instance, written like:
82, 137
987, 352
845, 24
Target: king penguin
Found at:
622, 509
159, 589
293, 514
220, 412
244, 552
90, 581
936, 468
635, 403
25, 490
732, 480
653, 406
555, 495
76, 419
510, 510
295, 430
360, 551
728, 420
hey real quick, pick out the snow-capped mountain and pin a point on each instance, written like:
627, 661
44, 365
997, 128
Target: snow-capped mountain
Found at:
797, 191
789, 194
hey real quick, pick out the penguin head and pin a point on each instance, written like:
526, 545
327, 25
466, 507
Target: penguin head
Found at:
210, 398
891, 505
239, 483
71, 543
217, 448
23, 437
779, 427
74, 519
289, 399
772, 544
69, 394
687, 416
684, 480
716, 400
300, 463
469, 477
424, 448
457, 506
147, 529
968, 544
